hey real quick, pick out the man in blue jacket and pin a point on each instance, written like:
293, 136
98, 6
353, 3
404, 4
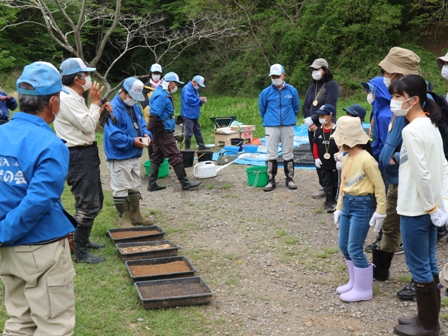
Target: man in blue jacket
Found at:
161, 124
36, 266
278, 105
124, 140
6, 103
190, 109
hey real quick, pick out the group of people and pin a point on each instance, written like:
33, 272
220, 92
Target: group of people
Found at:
398, 184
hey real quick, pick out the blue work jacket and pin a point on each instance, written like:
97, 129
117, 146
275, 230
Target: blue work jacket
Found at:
279, 107
162, 106
190, 102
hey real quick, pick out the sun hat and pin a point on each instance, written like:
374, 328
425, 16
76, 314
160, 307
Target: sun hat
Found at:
74, 65
349, 132
43, 76
369, 87
200, 80
441, 60
172, 77
134, 87
276, 70
326, 109
319, 63
400, 60
443, 276
155, 68
356, 111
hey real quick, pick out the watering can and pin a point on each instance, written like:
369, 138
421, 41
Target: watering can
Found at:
224, 159
206, 169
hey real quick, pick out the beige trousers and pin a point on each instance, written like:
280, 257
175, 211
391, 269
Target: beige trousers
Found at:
38, 289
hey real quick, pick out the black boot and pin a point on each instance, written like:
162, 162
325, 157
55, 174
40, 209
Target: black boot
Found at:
81, 240
408, 292
427, 319
272, 172
200, 142
376, 243
134, 209
182, 177
153, 174
288, 167
93, 245
382, 260
122, 205
187, 143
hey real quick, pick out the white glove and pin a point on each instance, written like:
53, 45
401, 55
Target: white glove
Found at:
338, 156
337, 217
308, 121
318, 163
338, 165
438, 217
377, 221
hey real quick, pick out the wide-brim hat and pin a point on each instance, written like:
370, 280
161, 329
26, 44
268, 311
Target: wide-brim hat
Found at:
349, 132
319, 63
441, 60
402, 61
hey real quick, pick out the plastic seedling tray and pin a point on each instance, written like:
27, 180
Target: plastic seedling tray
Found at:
136, 234
143, 250
156, 294
160, 268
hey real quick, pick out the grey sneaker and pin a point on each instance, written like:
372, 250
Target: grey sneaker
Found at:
319, 194
399, 250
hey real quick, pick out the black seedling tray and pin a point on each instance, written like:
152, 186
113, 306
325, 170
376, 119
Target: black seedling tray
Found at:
166, 252
139, 238
160, 261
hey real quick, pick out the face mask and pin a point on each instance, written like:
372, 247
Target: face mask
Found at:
130, 101
370, 98
196, 87
445, 71
155, 78
277, 81
396, 107
174, 89
323, 121
317, 75
86, 86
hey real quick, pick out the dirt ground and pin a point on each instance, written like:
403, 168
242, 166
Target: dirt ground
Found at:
272, 259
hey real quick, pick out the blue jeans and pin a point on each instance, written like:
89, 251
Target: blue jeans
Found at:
353, 227
419, 237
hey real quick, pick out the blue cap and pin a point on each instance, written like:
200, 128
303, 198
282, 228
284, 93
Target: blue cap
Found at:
369, 87
74, 65
326, 109
356, 111
43, 76
200, 80
134, 87
172, 77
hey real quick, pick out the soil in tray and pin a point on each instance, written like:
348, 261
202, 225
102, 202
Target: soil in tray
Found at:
171, 267
131, 234
144, 248
169, 290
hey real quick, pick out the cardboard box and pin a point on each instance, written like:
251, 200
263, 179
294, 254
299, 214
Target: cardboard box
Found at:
243, 128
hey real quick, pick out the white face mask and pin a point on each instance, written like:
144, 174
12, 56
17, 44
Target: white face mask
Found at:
130, 101
444, 72
277, 81
196, 87
396, 107
323, 121
86, 86
387, 81
174, 89
370, 98
317, 75
155, 78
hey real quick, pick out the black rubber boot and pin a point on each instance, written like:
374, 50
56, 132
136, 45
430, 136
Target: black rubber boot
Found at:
153, 173
93, 245
408, 292
376, 243
182, 177
122, 205
288, 167
272, 172
200, 142
187, 143
381, 260
427, 319
81, 240
134, 210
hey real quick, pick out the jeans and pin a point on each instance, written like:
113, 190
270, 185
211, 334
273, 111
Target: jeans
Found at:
353, 227
419, 237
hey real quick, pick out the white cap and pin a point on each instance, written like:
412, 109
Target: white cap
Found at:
277, 70
200, 80
156, 68
134, 87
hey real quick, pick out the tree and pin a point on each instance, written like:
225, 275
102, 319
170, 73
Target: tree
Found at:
86, 29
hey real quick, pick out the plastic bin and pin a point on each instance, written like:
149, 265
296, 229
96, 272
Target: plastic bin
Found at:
163, 169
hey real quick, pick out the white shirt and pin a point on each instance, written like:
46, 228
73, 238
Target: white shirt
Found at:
76, 123
423, 174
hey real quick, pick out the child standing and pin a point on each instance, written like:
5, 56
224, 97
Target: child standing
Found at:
324, 149
361, 202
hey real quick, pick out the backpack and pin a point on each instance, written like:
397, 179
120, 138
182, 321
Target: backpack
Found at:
443, 129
